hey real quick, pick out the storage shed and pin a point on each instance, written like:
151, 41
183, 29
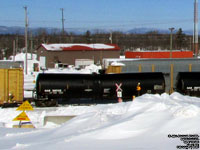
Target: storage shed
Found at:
50, 54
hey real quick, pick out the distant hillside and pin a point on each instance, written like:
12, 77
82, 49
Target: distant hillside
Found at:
20, 30
162, 31
11, 30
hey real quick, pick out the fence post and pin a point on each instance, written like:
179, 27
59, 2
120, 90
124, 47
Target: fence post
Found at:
190, 67
153, 68
172, 78
140, 68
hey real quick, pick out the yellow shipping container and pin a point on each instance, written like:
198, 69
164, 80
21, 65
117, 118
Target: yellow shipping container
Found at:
114, 69
11, 86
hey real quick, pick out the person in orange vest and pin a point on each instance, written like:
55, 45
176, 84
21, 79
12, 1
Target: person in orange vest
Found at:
138, 88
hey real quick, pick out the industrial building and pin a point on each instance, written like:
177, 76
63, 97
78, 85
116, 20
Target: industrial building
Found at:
159, 54
50, 54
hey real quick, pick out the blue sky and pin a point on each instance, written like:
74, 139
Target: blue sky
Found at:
99, 14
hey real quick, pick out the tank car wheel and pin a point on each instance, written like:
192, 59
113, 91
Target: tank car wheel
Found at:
39, 103
49, 103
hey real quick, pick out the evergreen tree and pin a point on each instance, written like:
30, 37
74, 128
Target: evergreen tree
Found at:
180, 39
88, 36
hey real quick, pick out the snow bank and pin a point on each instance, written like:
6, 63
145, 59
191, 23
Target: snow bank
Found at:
31, 59
144, 123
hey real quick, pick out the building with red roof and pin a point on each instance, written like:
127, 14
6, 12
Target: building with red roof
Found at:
68, 53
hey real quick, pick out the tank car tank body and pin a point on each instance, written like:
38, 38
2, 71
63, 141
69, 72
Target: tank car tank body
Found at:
94, 88
188, 83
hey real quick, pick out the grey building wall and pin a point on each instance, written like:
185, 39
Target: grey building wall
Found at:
11, 64
170, 67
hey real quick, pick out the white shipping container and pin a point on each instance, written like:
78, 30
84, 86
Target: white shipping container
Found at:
83, 62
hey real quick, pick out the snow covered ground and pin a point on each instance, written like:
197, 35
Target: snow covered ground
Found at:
149, 122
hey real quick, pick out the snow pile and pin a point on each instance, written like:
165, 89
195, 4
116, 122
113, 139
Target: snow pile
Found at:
71, 69
115, 63
31, 59
93, 68
21, 56
145, 123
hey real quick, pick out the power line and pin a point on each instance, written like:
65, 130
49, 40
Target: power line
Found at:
106, 22
85, 25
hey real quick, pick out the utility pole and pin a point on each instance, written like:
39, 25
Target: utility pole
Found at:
63, 20
195, 36
31, 46
14, 49
26, 40
171, 40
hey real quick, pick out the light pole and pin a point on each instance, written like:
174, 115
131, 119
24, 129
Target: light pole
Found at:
26, 40
63, 20
171, 31
195, 36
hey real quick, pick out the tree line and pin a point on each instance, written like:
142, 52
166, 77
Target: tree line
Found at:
152, 40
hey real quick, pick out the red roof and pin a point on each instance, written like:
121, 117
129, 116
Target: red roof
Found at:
80, 47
